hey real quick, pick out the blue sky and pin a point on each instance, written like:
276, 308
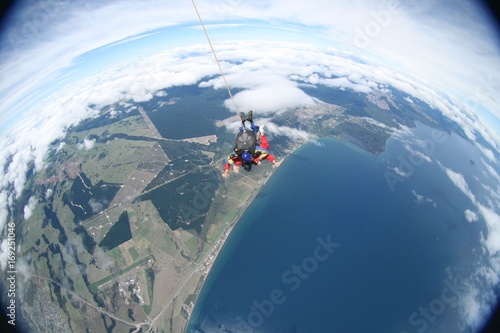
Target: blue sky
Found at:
428, 47
448, 43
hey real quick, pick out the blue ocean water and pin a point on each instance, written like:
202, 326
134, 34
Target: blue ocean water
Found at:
337, 241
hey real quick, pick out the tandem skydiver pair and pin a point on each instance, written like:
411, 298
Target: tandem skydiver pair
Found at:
251, 147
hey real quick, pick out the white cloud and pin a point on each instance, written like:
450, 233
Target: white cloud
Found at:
104, 261
38, 45
24, 270
490, 216
66, 32
487, 152
472, 308
97, 206
317, 143
87, 144
492, 239
4, 203
490, 275
471, 216
340, 82
265, 91
475, 305
459, 181
271, 128
492, 219
61, 146
408, 99
421, 199
401, 173
379, 124
292, 133
420, 155
3, 254
28, 209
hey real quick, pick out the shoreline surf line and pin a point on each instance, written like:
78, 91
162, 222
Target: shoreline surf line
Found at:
229, 229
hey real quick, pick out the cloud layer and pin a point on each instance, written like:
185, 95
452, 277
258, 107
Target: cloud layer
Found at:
475, 305
269, 83
48, 36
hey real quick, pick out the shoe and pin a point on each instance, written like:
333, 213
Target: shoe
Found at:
250, 116
243, 117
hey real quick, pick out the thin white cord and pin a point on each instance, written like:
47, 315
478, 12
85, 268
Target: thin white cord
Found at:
217, 61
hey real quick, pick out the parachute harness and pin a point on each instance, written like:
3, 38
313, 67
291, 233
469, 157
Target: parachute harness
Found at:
218, 64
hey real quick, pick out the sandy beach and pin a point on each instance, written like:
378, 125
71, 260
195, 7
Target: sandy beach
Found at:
212, 255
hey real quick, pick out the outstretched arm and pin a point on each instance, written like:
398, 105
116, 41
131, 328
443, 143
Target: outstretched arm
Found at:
227, 166
271, 159
268, 157
235, 162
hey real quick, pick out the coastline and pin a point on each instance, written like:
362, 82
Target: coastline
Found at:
221, 242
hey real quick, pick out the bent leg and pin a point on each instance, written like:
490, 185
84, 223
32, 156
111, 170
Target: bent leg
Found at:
254, 128
263, 142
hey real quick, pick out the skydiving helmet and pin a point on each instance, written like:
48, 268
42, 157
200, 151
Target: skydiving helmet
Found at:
246, 157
